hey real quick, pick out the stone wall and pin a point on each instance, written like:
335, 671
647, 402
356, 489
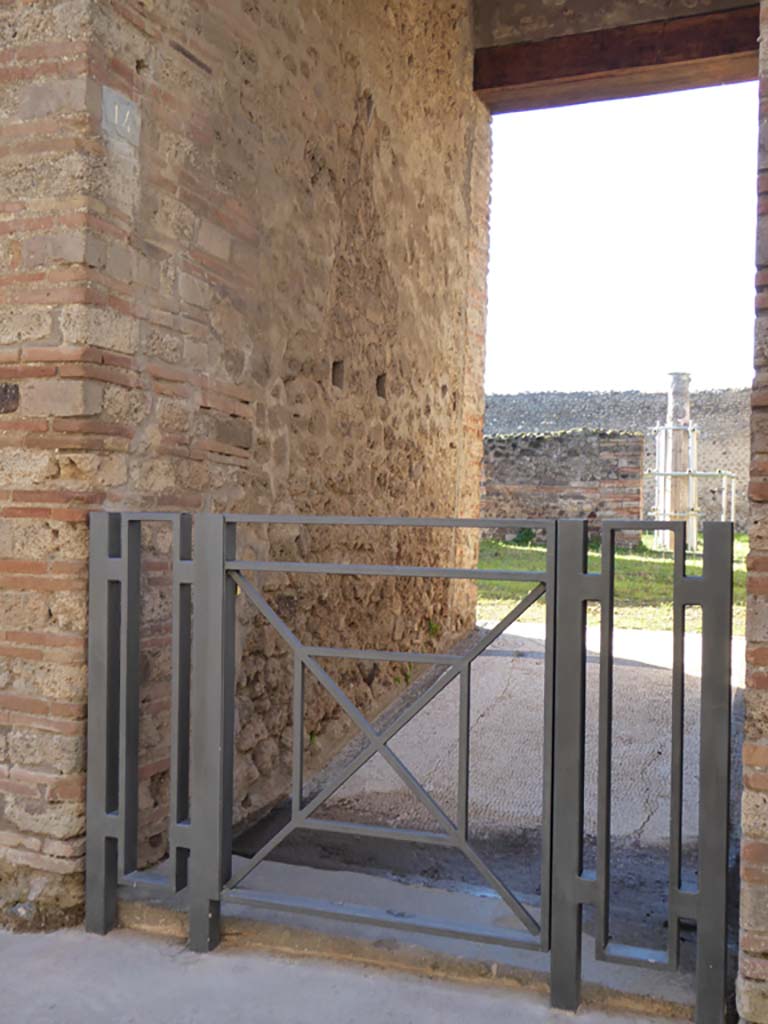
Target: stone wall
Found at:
752, 989
242, 250
574, 474
723, 419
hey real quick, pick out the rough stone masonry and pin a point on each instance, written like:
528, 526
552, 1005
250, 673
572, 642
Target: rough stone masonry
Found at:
242, 267
568, 474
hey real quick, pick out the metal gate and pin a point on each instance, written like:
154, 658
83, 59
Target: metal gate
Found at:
208, 578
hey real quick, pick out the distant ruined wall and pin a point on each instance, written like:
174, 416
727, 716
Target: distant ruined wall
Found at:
573, 474
243, 250
723, 419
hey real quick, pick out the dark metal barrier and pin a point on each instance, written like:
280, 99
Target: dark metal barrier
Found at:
206, 579
572, 886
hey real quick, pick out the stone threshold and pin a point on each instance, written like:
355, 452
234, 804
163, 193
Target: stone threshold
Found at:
606, 986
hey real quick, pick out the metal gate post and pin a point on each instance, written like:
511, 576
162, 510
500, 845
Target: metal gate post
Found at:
103, 718
569, 890
716, 596
113, 712
211, 726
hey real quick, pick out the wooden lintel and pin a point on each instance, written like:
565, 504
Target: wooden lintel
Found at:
635, 60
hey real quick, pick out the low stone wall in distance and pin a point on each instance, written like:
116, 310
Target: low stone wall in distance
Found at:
580, 474
722, 418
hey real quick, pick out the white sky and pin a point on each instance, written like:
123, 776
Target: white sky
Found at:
622, 243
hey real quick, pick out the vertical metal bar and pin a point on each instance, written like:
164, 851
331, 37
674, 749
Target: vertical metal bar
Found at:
212, 727
103, 724
714, 771
664, 512
723, 498
130, 679
549, 717
691, 524
694, 521
180, 693
605, 731
462, 811
568, 802
733, 498
298, 734
677, 746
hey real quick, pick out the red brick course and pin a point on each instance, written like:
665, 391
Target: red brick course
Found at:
582, 474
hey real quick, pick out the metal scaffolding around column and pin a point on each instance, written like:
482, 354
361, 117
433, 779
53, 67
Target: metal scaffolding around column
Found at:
676, 473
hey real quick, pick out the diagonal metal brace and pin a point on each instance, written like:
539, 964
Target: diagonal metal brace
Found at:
394, 727
427, 697
378, 744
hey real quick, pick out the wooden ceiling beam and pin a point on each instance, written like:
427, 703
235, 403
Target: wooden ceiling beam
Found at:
635, 60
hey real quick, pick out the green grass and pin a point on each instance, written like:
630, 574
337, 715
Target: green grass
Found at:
643, 593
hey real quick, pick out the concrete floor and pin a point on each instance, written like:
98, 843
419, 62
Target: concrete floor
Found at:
69, 977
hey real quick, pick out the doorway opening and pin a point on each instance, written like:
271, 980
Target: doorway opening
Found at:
621, 284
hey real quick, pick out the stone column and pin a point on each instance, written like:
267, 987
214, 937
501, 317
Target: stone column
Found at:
677, 449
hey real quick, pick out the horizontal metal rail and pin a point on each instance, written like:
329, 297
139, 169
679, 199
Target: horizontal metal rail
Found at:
401, 835
420, 571
403, 657
629, 525
145, 517
381, 918
436, 522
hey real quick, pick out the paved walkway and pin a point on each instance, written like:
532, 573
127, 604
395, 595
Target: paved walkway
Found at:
69, 977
